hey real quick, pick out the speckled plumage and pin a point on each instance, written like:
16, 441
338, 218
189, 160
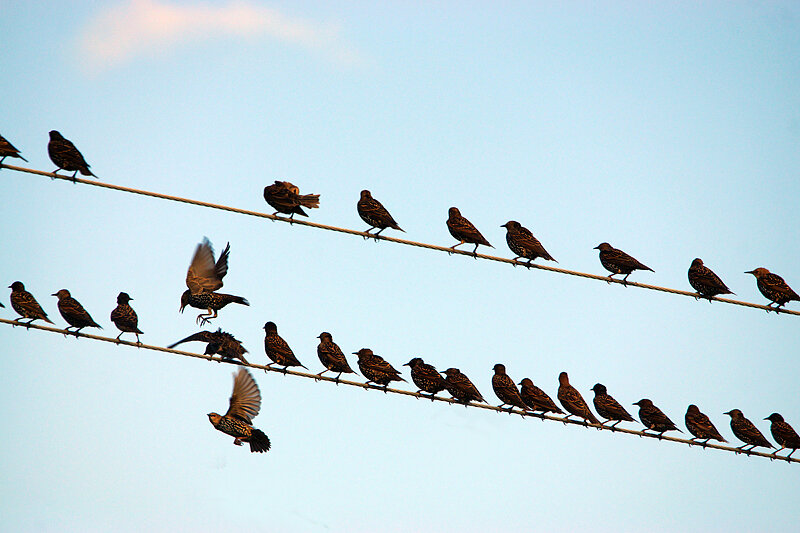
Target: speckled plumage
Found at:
65, 156
73, 312
746, 431
654, 418
218, 342
536, 398
331, 356
783, 433
609, 408
285, 198
373, 213
426, 377
124, 317
244, 405
277, 349
700, 426
460, 387
521, 241
25, 304
505, 389
705, 281
572, 400
376, 369
618, 262
773, 287
462, 230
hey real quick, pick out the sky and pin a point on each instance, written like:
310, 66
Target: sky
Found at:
670, 131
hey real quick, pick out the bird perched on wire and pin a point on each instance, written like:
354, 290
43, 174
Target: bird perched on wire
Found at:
618, 262
536, 398
654, 418
522, 242
705, 282
700, 426
73, 312
218, 342
426, 377
331, 356
376, 369
506, 390
746, 431
609, 408
773, 287
245, 403
278, 349
203, 278
462, 230
64, 154
373, 213
285, 198
124, 317
573, 402
460, 387
783, 433
7, 150
25, 304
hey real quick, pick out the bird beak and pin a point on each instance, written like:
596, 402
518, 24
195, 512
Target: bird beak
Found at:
596, 247
766, 418
727, 413
355, 353
54, 294
409, 364
749, 272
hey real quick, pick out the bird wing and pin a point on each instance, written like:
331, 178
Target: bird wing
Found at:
777, 283
380, 364
707, 277
621, 258
372, 208
463, 229
26, 300
203, 336
203, 274
245, 401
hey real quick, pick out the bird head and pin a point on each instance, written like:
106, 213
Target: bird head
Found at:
414, 362
692, 409
365, 194
451, 372
511, 224
363, 352
697, 262
325, 336
758, 272
774, 417
526, 382
61, 294
453, 212
184, 300
270, 327
599, 388
54, 136
604, 247
644, 402
499, 369
563, 378
734, 413
17, 286
214, 418
123, 298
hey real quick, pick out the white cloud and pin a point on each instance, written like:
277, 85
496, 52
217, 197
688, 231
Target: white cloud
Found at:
124, 32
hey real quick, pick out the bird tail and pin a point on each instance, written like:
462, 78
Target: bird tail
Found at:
259, 442
310, 201
48, 320
23, 158
238, 299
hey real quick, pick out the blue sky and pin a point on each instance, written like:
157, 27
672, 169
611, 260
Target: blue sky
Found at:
669, 131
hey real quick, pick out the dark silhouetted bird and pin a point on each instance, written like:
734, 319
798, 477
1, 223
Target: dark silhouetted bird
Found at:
783, 433
7, 150
218, 342
376, 369
426, 377
572, 400
462, 230
773, 287
277, 349
618, 262
244, 405
654, 418
522, 242
506, 390
285, 198
73, 312
331, 356
64, 154
536, 398
373, 213
25, 304
609, 408
701, 426
460, 387
124, 317
705, 282
203, 278
746, 431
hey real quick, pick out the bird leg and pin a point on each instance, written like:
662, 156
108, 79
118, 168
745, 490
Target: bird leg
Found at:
454, 247
118, 336
315, 379
237, 442
475, 252
366, 384
610, 277
625, 279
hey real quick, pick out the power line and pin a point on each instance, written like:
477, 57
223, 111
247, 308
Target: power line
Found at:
317, 378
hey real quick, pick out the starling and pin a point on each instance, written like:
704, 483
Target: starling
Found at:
73, 312
536, 398
376, 369
277, 349
203, 278
705, 282
746, 431
426, 377
373, 213
784, 434
331, 356
218, 342
522, 242
462, 230
124, 317
618, 262
244, 406
25, 304
573, 402
701, 426
460, 387
506, 390
64, 154
609, 408
285, 198
7, 150
654, 418
773, 287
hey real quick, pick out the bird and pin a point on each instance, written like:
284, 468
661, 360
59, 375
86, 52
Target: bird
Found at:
773, 287
373, 213
73, 312
218, 342
536, 398
25, 304
64, 154
654, 418
522, 242
245, 403
746, 431
7, 150
609, 408
506, 390
701, 426
331, 356
618, 262
278, 349
203, 278
376, 369
426, 377
573, 402
285, 198
460, 387
783, 433
124, 317
463, 230
705, 282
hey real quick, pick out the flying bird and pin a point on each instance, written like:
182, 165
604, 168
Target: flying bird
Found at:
373, 213
7, 150
218, 342
461, 388
124, 317
25, 304
245, 403
746, 431
64, 155
278, 349
536, 398
331, 356
573, 402
426, 377
773, 287
522, 242
376, 369
705, 282
783, 433
285, 198
73, 312
506, 390
700, 426
654, 418
462, 230
618, 262
609, 408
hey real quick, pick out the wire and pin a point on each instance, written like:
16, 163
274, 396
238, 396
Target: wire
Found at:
417, 395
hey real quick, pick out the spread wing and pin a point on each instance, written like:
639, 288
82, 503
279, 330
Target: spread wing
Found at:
246, 398
204, 275
202, 336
